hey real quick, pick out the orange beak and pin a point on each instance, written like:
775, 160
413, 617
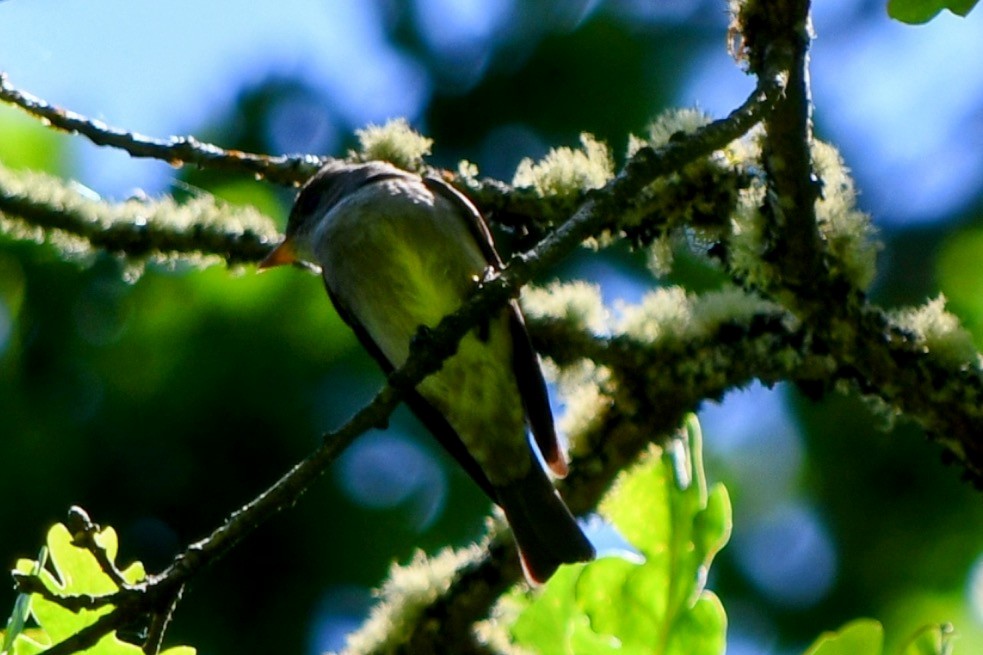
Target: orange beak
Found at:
282, 254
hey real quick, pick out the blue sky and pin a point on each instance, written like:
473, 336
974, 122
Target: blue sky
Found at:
905, 103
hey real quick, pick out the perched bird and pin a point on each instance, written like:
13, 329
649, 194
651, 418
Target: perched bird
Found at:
397, 252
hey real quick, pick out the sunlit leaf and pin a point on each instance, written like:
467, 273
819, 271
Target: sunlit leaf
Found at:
76, 572
859, 637
930, 640
922, 11
866, 637
663, 508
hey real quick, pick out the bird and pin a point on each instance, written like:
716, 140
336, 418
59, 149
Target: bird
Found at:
398, 252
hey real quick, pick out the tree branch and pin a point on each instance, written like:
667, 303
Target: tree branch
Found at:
777, 34
136, 228
177, 151
431, 347
878, 355
512, 207
671, 377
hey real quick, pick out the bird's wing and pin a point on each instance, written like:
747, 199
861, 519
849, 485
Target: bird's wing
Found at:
432, 419
525, 363
532, 387
476, 224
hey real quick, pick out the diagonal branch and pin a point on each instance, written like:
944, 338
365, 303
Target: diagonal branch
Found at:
879, 356
671, 377
429, 349
177, 151
136, 228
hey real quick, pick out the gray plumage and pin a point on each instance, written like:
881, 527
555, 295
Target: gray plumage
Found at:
398, 251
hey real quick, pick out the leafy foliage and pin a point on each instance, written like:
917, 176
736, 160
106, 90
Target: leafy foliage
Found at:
659, 604
866, 637
77, 574
922, 11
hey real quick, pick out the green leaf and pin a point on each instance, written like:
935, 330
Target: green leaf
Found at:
859, 637
866, 637
921, 11
930, 640
21, 612
614, 605
76, 572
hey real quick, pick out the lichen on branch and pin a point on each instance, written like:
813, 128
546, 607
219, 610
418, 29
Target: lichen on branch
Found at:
78, 223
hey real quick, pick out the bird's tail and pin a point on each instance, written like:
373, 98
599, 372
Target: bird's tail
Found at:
545, 531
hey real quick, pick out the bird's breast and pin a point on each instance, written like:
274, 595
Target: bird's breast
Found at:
398, 261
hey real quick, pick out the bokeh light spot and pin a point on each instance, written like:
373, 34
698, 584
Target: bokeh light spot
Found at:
341, 611
755, 440
462, 34
6, 326
383, 471
299, 124
789, 555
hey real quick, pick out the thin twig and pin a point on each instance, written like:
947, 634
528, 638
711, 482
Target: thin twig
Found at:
428, 350
177, 151
158, 624
84, 533
431, 347
32, 584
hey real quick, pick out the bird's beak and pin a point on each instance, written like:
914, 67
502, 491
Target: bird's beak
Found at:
282, 254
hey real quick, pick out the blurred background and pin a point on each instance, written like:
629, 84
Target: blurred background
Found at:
163, 404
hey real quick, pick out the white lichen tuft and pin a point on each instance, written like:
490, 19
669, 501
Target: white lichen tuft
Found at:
494, 632
585, 390
660, 131
659, 256
395, 142
665, 125
577, 302
670, 315
663, 314
171, 228
849, 236
729, 305
941, 332
697, 198
467, 171
566, 172
848, 231
746, 246
407, 592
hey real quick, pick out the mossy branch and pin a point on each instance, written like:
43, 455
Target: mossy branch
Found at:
431, 347
177, 151
38, 206
515, 208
